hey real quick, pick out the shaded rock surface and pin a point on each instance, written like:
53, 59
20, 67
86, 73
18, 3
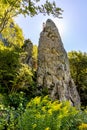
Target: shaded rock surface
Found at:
28, 48
53, 74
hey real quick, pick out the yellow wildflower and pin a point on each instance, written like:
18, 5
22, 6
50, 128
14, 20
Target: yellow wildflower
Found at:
56, 107
65, 110
47, 128
60, 116
43, 109
45, 99
34, 126
37, 100
50, 111
55, 102
38, 115
83, 126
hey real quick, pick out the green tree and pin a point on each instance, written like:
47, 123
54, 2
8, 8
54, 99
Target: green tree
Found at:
12, 8
9, 64
78, 67
8, 9
13, 35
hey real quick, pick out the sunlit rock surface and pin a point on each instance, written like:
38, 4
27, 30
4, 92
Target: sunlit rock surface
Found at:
53, 74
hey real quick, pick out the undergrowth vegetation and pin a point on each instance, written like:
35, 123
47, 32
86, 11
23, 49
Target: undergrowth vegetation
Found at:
42, 114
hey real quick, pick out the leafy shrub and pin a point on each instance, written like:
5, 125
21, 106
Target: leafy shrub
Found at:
42, 114
45, 114
9, 117
83, 126
17, 99
9, 113
9, 66
78, 68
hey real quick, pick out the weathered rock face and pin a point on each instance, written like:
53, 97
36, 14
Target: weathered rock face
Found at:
53, 72
28, 48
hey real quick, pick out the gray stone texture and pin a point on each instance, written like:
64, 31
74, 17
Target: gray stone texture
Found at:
28, 48
53, 74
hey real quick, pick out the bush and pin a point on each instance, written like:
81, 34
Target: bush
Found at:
17, 99
8, 118
45, 114
83, 126
9, 113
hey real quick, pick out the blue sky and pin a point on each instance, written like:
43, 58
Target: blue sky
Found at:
72, 28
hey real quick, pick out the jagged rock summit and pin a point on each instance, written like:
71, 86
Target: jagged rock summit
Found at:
53, 74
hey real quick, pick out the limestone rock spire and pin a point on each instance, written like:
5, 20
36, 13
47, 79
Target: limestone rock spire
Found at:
53, 74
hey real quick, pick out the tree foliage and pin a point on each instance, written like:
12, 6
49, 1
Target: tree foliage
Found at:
13, 35
12, 8
78, 67
8, 9
9, 65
